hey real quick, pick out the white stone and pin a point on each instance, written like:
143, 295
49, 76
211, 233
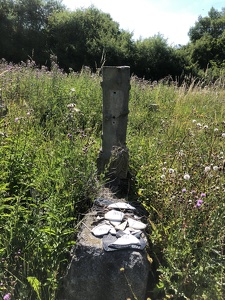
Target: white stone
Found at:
136, 224
115, 223
121, 205
127, 239
101, 230
112, 231
121, 226
114, 215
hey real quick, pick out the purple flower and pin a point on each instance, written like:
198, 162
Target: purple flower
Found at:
203, 195
16, 119
184, 190
69, 135
7, 296
199, 202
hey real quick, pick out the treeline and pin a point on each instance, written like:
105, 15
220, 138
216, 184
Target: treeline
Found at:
40, 29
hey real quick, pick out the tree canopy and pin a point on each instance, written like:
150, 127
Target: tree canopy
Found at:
87, 37
37, 29
208, 40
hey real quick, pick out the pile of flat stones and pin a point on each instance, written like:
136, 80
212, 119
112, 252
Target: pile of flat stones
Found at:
118, 226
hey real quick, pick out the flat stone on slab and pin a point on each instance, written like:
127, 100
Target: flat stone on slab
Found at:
121, 205
114, 215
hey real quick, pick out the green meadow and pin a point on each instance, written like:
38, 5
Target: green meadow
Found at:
50, 137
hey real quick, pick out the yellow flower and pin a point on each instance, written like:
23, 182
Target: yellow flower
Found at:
140, 192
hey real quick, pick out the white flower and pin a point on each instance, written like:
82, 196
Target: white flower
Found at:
215, 168
181, 153
199, 125
164, 170
207, 169
216, 129
163, 176
223, 134
206, 126
187, 176
194, 121
171, 171
72, 90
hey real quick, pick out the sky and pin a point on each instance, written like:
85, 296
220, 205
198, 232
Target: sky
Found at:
146, 18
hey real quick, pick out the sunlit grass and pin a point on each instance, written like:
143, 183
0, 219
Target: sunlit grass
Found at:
50, 139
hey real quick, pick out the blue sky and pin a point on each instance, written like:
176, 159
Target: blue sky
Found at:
145, 18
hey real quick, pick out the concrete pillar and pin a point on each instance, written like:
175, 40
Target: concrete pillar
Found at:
94, 274
115, 86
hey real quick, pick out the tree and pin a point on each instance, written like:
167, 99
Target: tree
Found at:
6, 28
208, 40
154, 59
85, 36
23, 24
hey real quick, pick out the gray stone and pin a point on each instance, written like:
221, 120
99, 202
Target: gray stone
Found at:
154, 107
94, 274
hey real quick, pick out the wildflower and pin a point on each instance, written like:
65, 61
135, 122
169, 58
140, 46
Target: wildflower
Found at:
207, 169
140, 192
163, 176
216, 129
172, 173
184, 190
199, 202
72, 107
194, 121
223, 135
199, 125
72, 90
187, 177
215, 168
206, 127
164, 170
203, 195
69, 135
181, 153
7, 296
16, 120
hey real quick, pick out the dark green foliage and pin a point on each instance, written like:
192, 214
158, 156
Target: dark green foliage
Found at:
88, 38
40, 29
155, 59
22, 28
207, 47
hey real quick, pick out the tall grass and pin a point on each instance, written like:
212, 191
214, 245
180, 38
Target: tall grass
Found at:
179, 159
49, 142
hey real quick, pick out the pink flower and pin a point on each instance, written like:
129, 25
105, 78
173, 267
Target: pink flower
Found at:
199, 202
7, 296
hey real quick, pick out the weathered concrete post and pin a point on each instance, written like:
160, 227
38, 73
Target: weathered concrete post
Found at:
96, 271
114, 153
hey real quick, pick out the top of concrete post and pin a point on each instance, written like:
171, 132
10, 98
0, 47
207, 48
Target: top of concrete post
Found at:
116, 75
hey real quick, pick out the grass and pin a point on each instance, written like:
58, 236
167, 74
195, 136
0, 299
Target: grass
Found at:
50, 139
